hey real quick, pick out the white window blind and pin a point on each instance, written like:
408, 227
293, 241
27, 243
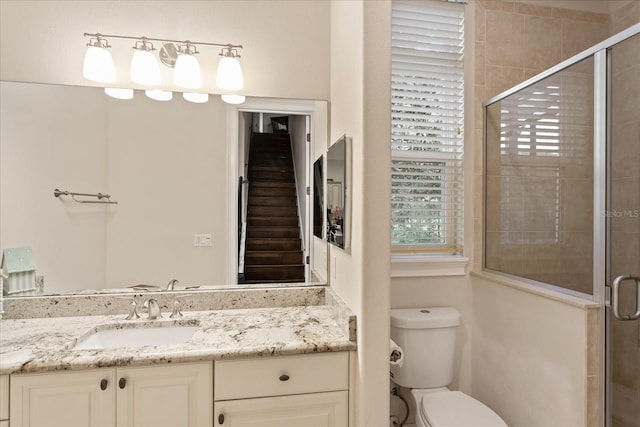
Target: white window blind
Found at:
427, 104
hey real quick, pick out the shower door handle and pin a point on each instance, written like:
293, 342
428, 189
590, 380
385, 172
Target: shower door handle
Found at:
615, 297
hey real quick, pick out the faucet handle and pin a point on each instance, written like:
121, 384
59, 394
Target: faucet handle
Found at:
133, 314
176, 310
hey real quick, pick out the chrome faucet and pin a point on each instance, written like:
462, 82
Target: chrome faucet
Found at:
172, 284
154, 308
133, 314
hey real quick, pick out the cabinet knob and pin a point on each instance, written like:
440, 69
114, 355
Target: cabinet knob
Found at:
221, 419
122, 383
103, 384
284, 377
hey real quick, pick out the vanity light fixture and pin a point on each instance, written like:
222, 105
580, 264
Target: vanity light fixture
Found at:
186, 71
198, 98
159, 95
119, 93
176, 54
233, 99
229, 75
98, 62
145, 68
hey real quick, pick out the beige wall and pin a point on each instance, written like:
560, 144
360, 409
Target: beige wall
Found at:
38, 154
529, 361
360, 108
92, 143
167, 168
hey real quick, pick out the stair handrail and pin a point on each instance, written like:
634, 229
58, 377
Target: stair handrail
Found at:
295, 179
242, 222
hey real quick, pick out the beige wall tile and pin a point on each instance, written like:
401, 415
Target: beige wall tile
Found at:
626, 92
626, 149
577, 15
592, 401
580, 35
507, 6
499, 79
478, 151
534, 9
478, 244
542, 42
479, 15
625, 368
531, 72
625, 17
505, 38
479, 63
626, 410
480, 98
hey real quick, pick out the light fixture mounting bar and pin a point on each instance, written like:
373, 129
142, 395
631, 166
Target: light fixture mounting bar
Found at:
113, 36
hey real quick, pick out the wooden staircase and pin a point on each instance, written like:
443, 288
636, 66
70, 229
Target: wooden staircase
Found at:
273, 246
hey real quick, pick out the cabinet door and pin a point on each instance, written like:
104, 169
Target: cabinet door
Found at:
171, 396
82, 398
308, 410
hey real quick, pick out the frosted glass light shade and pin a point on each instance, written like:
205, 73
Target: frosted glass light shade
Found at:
187, 72
159, 95
98, 65
198, 98
119, 93
233, 99
229, 76
145, 69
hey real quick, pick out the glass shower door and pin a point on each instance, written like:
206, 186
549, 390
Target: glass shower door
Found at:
623, 226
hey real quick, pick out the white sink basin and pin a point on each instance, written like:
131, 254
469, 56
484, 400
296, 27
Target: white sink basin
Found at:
135, 337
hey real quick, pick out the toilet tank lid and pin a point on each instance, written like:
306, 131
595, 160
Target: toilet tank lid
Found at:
428, 317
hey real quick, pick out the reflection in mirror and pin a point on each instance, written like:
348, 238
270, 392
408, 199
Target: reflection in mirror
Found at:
164, 163
337, 187
318, 198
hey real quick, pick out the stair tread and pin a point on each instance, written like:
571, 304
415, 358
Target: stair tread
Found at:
273, 251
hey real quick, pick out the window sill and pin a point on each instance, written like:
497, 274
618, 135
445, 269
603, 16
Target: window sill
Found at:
428, 265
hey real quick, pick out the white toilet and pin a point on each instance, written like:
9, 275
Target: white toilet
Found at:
428, 337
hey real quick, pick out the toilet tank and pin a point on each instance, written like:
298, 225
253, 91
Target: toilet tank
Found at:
427, 337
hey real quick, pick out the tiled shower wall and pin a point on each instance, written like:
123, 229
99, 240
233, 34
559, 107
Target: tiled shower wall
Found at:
625, 215
513, 42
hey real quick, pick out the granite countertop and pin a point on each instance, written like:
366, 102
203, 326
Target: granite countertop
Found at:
45, 344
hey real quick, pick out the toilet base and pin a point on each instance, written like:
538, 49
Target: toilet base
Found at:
441, 406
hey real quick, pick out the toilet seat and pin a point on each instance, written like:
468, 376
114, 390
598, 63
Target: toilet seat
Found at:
454, 409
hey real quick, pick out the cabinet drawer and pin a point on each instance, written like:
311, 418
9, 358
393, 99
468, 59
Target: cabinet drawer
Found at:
281, 375
4, 397
328, 409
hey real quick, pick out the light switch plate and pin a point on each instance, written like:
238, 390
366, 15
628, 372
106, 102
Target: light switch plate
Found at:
202, 240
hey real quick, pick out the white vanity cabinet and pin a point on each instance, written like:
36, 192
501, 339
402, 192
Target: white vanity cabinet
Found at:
4, 400
64, 399
168, 395
286, 391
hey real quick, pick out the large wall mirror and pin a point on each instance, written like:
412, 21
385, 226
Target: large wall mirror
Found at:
166, 164
338, 187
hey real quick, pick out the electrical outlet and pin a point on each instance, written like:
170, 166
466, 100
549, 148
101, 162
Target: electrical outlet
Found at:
202, 240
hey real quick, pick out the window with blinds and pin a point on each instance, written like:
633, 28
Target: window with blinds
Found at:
427, 104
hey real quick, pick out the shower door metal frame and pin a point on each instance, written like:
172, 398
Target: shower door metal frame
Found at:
601, 193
